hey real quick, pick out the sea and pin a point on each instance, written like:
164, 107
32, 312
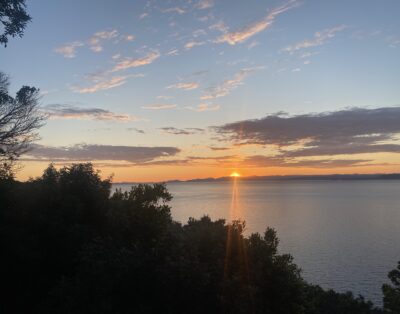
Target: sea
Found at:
343, 234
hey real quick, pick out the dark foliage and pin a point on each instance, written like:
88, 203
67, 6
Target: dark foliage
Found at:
391, 293
13, 18
68, 247
19, 118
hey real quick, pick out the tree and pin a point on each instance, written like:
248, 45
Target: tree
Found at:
68, 247
19, 118
391, 294
13, 18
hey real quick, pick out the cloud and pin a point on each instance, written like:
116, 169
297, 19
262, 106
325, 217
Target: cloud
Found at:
219, 26
218, 148
249, 31
175, 10
57, 111
199, 32
393, 41
271, 161
319, 39
253, 44
186, 131
192, 44
349, 131
204, 4
173, 52
159, 106
169, 162
86, 152
228, 85
103, 84
140, 131
128, 63
69, 50
184, 86
143, 15
204, 107
97, 38
128, 37
213, 158
164, 97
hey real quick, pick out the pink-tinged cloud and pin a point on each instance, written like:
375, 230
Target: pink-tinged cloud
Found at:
69, 50
128, 63
159, 106
205, 107
319, 39
184, 86
204, 4
193, 44
228, 85
249, 31
102, 85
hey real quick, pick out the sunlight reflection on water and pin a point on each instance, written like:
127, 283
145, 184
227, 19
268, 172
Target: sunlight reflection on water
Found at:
343, 234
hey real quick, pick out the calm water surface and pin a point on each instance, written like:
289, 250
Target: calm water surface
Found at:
345, 235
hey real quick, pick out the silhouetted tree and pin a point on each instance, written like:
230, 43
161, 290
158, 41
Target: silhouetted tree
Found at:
19, 118
68, 247
13, 18
391, 293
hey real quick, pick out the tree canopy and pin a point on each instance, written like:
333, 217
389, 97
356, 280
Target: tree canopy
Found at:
19, 119
13, 18
69, 245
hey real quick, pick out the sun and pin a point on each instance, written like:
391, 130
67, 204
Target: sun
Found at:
235, 174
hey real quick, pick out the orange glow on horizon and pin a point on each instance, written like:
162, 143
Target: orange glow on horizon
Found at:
235, 174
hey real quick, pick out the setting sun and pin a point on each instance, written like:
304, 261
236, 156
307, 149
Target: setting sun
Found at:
235, 174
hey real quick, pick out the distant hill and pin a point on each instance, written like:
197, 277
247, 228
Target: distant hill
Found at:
378, 176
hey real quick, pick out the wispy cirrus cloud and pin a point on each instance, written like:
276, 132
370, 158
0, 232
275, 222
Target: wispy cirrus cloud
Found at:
219, 26
191, 44
249, 31
103, 84
59, 111
319, 39
88, 152
173, 52
260, 161
204, 4
140, 131
69, 50
95, 43
228, 85
218, 148
185, 131
143, 15
184, 86
159, 106
128, 37
174, 10
204, 107
97, 38
128, 63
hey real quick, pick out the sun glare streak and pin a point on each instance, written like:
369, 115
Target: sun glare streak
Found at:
236, 252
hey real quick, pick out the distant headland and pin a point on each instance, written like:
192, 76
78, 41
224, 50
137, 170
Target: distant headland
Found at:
344, 177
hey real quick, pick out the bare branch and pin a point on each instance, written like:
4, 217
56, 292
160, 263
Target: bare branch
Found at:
19, 119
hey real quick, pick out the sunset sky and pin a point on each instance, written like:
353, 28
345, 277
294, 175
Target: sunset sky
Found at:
160, 90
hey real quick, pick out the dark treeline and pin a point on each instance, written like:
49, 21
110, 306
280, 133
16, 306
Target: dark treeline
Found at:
67, 246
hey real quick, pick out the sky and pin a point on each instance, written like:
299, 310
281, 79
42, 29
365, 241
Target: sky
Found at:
161, 90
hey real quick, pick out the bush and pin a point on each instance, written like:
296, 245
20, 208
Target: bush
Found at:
68, 247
